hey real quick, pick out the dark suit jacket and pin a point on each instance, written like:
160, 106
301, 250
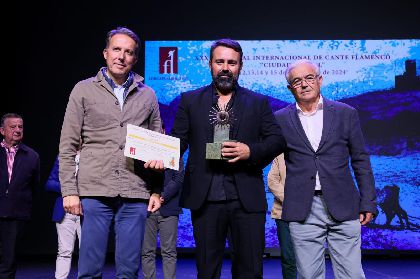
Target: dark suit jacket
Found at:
341, 141
255, 126
172, 191
16, 196
53, 185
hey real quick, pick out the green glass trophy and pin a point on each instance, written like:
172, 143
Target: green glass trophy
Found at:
221, 118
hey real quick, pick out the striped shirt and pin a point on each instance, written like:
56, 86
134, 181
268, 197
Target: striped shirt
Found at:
10, 152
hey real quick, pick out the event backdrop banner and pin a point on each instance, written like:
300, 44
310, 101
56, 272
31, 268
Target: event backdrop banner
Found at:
378, 77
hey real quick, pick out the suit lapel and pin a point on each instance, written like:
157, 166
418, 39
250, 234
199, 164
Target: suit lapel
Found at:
207, 104
328, 122
3, 166
17, 162
238, 109
294, 118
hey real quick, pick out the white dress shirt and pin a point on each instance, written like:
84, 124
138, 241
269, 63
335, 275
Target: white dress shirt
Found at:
312, 123
119, 93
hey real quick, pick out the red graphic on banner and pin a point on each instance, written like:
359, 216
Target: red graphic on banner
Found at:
168, 60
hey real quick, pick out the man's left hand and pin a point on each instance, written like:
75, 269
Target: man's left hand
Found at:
235, 150
365, 217
154, 203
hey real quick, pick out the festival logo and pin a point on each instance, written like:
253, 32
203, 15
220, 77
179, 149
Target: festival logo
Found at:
168, 60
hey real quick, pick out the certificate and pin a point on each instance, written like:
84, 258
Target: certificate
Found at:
143, 144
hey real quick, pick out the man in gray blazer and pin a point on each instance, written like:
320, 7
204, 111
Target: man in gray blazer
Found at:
111, 191
322, 202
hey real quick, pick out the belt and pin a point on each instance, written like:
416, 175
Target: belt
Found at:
318, 193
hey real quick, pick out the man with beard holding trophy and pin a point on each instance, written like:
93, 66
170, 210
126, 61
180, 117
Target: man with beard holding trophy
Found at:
232, 135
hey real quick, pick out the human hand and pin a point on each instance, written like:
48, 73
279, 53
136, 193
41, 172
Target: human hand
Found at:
154, 203
72, 205
365, 217
235, 150
156, 165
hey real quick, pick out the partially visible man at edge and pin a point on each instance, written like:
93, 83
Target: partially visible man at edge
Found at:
110, 187
19, 178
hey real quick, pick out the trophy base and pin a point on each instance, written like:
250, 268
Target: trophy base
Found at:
214, 151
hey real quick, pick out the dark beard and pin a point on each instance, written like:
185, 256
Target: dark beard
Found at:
223, 84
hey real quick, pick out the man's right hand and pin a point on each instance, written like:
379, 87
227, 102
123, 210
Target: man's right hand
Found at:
72, 205
156, 165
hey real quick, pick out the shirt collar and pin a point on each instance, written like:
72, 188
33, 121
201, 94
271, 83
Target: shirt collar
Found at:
319, 106
215, 97
111, 83
12, 148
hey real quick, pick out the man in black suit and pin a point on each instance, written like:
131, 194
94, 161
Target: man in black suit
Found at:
227, 193
19, 176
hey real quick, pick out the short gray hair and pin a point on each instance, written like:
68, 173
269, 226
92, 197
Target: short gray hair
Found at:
297, 63
125, 31
9, 115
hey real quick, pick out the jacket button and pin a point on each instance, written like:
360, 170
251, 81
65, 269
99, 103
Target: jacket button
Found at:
117, 172
312, 177
116, 102
121, 147
122, 124
316, 157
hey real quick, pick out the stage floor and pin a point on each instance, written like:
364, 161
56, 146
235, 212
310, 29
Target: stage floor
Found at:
378, 267
375, 267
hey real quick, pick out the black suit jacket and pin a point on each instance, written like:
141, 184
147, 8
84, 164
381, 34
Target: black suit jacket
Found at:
254, 125
16, 196
341, 141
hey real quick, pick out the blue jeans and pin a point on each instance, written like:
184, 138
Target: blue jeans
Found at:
129, 216
287, 256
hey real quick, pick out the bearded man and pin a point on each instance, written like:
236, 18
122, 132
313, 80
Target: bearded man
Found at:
232, 135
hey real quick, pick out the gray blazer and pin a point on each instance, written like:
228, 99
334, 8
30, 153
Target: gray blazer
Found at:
341, 141
93, 113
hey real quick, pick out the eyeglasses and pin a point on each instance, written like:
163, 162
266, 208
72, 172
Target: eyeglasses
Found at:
297, 82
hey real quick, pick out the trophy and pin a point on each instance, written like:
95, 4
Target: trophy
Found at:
221, 118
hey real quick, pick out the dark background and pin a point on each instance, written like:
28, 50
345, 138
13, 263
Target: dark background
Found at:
58, 43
